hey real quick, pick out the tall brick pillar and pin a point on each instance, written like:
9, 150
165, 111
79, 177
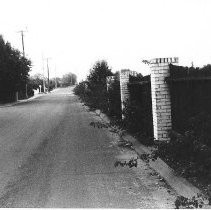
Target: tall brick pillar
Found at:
161, 103
124, 80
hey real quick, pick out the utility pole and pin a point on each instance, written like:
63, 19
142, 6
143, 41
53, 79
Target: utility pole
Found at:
43, 74
22, 42
55, 78
48, 76
192, 64
22, 35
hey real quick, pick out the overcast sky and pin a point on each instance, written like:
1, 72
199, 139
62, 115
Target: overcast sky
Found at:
77, 33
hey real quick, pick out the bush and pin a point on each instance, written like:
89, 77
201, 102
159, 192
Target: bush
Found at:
138, 122
14, 69
93, 91
114, 99
190, 152
82, 91
138, 109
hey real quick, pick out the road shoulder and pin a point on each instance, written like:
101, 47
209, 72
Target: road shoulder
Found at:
20, 101
179, 184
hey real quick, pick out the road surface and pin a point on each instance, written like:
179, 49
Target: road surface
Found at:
51, 157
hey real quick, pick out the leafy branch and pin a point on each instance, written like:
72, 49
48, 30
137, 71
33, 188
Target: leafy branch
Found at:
133, 162
146, 62
99, 125
190, 203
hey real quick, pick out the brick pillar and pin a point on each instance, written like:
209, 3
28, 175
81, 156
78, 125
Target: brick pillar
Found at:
124, 80
161, 103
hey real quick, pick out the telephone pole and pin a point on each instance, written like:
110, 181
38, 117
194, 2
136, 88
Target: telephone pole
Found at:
43, 74
55, 78
48, 75
22, 35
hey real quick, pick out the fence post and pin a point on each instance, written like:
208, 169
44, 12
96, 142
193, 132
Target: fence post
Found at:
124, 91
161, 101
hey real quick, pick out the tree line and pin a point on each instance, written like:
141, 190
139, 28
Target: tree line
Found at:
14, 75
66, 80
14, 71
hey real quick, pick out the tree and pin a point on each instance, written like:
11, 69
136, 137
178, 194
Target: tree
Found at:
14, 69
36, 80
97, 84
68, 79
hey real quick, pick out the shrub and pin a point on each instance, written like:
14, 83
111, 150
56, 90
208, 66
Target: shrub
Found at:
190, 151
114, 98
93, 91
138, 109
14, 69
138, 122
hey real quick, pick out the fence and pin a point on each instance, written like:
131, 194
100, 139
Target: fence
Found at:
114, 98
141, 103
190, 94
171, 95
160, 96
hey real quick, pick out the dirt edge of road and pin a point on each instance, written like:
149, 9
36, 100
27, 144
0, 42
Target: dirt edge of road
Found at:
179, 184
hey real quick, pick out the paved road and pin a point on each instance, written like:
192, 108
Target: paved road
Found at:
51, 157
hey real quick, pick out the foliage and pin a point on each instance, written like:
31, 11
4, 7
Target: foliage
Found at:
187, 154
125, 144
36, 80
58, 81
98, 125
97, 85
68, 79
137, 78
81, 90
190, 94
136, 119
190, 153
133, 162
93, 91
114, 98
146, 62
189, 203
14, 69
182, 72
138, 110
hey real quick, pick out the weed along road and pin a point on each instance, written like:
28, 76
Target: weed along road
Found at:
50, 156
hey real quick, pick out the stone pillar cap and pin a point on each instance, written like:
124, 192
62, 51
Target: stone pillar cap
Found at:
164, 60
125, 70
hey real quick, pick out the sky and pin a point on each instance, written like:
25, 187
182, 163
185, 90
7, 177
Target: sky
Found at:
74, 34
